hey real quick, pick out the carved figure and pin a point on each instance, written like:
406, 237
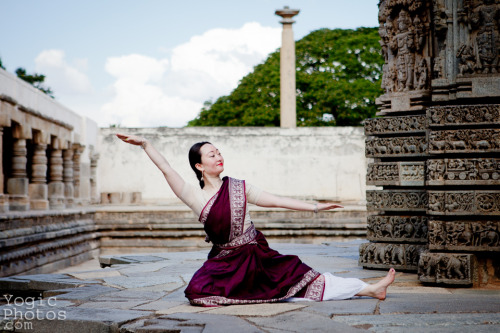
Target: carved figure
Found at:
466, 59
397, 254
489, 236
405, 47
412, 255
386, 230
486, 17
435, 202
428, 264
437, 233
422, 74
381, 254
368, 252
453, 267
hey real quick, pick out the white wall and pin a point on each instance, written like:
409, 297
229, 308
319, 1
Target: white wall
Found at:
321, 163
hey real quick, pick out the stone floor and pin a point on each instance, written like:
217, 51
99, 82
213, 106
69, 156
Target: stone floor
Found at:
144, 293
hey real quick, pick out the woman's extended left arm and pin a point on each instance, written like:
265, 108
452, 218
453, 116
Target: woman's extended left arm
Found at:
270, 200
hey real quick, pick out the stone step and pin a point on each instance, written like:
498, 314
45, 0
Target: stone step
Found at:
261, 224
200, 233
178, 214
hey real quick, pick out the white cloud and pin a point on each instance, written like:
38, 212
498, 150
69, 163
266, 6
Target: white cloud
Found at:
170, 92
60, 76
136, 67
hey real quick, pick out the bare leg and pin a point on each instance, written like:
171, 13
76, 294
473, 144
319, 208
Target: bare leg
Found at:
378, 290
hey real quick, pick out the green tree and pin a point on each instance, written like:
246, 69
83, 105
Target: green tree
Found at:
36, 80
338, 78
1, 65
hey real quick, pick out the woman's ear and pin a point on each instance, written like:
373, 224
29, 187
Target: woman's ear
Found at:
199, 166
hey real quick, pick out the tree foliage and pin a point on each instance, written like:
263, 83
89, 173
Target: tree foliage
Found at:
1, 65
337, 79
36, 80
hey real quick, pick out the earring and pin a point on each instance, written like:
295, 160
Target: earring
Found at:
202, 173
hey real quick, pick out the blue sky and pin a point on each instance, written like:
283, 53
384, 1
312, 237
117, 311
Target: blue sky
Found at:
154, 62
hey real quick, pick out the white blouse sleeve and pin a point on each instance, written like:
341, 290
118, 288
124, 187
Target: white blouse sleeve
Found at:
253, 193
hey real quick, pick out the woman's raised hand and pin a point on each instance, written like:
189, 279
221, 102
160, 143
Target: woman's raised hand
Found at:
132, 139
328, 206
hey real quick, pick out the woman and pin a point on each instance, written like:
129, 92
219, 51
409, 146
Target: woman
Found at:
241, 268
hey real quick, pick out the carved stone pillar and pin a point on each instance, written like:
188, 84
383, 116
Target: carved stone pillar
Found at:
77, 153
68, 177
436, 145
38, 189
17, 184
94, 195
56, 185
4, 201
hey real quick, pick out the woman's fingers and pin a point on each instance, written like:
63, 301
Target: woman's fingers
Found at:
327, 206
132, 139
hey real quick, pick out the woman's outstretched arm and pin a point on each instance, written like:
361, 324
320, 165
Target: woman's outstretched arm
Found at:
173, 178
270, 200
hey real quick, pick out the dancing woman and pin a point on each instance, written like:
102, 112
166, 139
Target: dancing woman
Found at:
241, 267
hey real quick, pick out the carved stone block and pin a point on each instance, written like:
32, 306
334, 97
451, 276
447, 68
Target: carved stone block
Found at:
393, 125
464, 235
396, 147
464, 203
403, 101
387, 255
447, 268
474, 87
404, 229
396, 173
453, 115
468, 171
397, 200
464, 141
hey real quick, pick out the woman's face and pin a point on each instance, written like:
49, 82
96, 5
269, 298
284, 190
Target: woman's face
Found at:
212, 162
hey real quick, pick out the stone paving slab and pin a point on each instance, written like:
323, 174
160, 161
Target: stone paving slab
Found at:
140, 297
354, 306
463, 322
257, 310
302, 322
440, 303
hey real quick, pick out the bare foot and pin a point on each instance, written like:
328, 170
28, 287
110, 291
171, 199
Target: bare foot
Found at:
379, 289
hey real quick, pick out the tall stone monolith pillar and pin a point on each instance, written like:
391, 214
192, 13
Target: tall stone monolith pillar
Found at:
288, 109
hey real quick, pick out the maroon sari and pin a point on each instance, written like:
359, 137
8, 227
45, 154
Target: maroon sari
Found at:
241, 268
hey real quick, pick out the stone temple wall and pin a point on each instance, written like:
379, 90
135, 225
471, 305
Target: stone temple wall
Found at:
436, 143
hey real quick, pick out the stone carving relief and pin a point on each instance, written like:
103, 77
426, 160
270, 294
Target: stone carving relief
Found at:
456, 171
386, 255
464, 235
396, 200
396, 173
438, 160
408, 229
398, 146
464, 115
464, 203
465, 141
447, 268
386, 125
480, 52
404, 29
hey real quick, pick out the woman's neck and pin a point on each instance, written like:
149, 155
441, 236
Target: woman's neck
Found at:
212, 183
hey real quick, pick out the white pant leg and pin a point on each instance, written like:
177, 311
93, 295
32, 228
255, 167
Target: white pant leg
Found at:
337, 288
